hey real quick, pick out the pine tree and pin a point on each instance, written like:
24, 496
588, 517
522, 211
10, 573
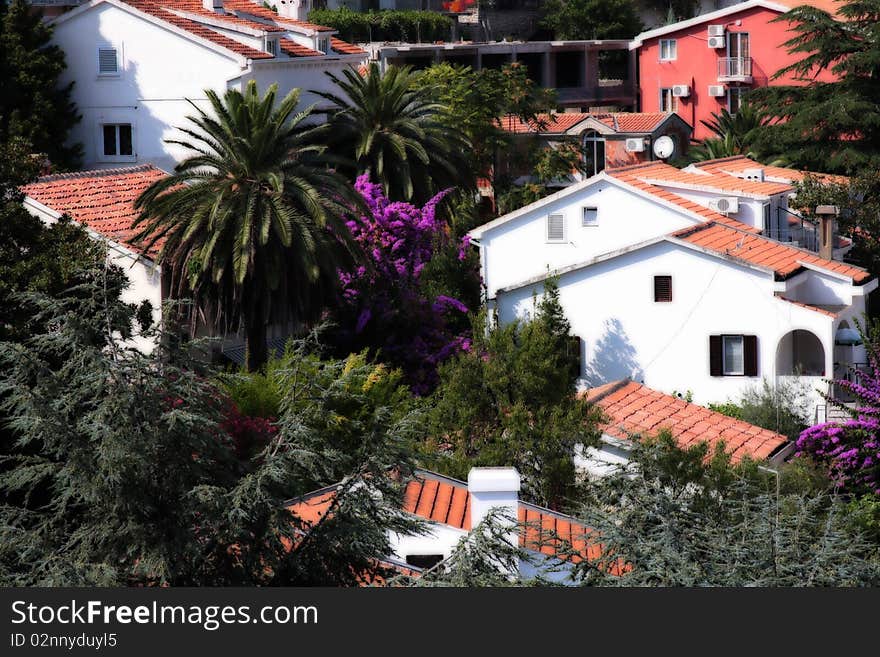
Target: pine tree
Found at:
32, 104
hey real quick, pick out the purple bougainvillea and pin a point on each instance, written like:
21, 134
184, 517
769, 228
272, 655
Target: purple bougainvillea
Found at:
383, 305
851, 449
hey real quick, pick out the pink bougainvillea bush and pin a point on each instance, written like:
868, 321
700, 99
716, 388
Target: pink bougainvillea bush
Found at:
383, 306
851, 449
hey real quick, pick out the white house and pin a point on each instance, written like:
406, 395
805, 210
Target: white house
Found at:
138, 64
666, 277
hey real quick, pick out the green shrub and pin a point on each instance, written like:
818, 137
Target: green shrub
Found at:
386, 25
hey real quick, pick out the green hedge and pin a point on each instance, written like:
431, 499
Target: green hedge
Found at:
358, 27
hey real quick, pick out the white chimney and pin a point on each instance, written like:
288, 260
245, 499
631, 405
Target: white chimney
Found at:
215, 6
296, 9
494, 488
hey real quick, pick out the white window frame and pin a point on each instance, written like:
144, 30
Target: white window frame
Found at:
673, 101
730, 94
272, 47
99, 145
671, 45
587, 223
324, 45
108, 46
561, 240
742, 342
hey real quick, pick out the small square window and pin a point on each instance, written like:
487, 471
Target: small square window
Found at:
668, 50
734, 355
663, 288
108, 61
590, 217
117, 141
556, 228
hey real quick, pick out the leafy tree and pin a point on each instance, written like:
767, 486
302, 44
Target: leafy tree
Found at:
475, 103
407, 26
383, 306
828, 126
592, 19
393, 131
123, 472
734, 134
781, 406
33, 107
510, 400
245, 219
691, 518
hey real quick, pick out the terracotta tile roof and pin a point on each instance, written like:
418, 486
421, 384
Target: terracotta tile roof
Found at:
156, 10
561, 122
632, 176
445, 500
345, 48
195, 7
292, 49
782, 259
738, 163
831, 6
103, 200
634, 409
253, 9
660, 173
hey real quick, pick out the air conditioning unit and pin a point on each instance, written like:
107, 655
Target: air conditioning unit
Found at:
681, 91
717, 42
716, 90
716, 30
754, 174
635, 145
725, 204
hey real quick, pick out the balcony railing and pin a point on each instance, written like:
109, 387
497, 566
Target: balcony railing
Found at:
735, 69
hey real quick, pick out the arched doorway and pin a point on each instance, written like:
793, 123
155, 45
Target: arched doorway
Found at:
800, 353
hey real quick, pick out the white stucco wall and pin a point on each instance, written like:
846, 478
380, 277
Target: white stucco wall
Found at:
666, 345
518, 250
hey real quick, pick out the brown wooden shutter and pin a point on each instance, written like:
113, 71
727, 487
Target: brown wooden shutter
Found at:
663, 288
715, 356
750, 355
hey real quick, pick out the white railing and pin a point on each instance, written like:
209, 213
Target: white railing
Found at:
734, 67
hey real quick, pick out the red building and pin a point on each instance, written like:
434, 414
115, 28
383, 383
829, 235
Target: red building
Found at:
702, 65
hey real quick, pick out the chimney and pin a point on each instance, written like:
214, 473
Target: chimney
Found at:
826, 214
215, 6
494, 488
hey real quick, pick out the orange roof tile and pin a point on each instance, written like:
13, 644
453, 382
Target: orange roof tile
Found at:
660, 173
346, 48
736, 164
759, 250
561, 122
103, 200
252, 9
632, 409
293, 49
195, 7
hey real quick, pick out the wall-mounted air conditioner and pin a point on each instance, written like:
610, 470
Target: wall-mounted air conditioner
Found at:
717, 42
725, 204
681, 90
635, 145
754, 174
716, 30
716, 90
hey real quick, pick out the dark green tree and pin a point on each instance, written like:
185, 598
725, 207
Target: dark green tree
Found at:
510, 400
393, 130
733, 134
827, 126
33, 106
592, 19
245, 219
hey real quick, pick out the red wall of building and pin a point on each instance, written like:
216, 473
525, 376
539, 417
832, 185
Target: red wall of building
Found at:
696, 64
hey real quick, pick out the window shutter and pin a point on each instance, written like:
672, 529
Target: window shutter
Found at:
555, 228
715, 358
663, 288
107, 60
750, 351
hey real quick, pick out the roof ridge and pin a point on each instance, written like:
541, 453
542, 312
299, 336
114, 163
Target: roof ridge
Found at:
96, 173
611, 389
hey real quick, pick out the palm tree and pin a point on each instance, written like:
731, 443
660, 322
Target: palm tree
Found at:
734, 134
251, 224
395, 132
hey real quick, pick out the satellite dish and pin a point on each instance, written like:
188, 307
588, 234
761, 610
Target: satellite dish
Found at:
664, 147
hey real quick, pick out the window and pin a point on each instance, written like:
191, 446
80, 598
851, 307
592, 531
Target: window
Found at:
668, 50
668, 102
108, 61
735, 96
324, 45
662, 288
593, 146
733, 355
117, 141
590, 217
738, 45
556, 228
424, 561
272, 47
